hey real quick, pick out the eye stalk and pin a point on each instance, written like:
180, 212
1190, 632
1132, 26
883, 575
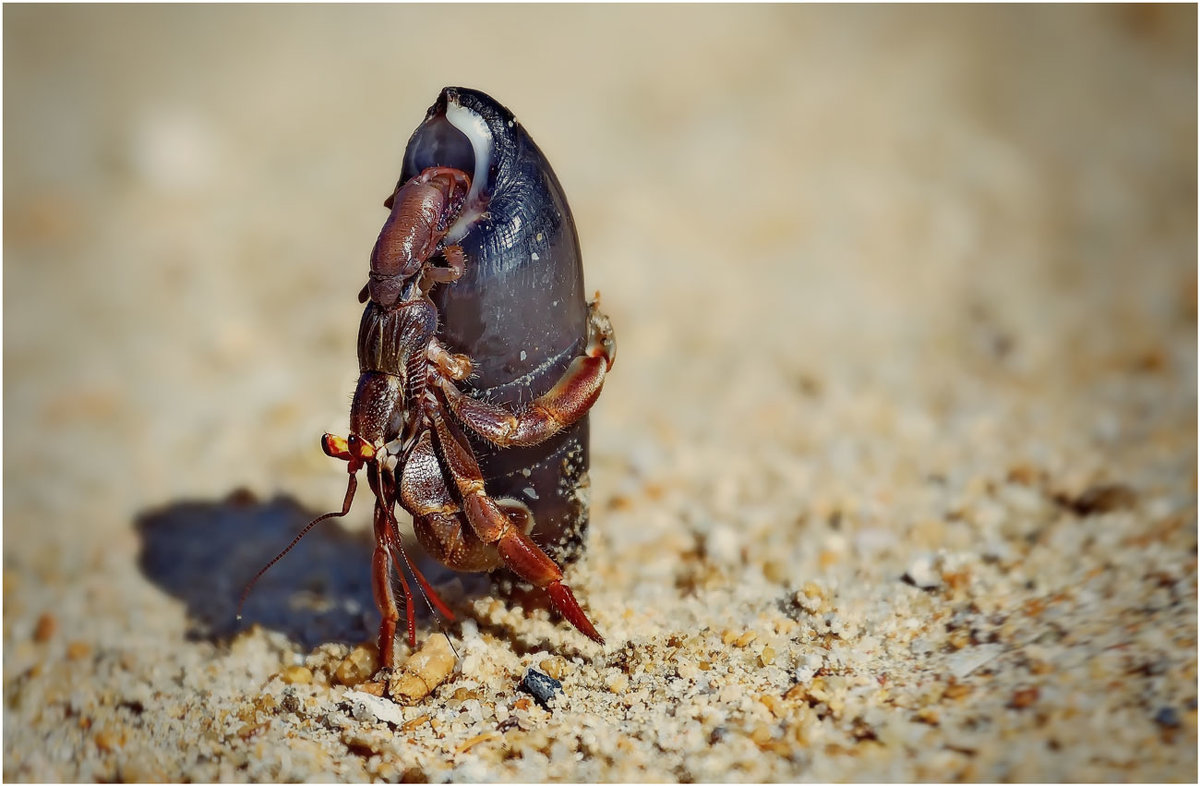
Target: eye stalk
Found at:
355, 450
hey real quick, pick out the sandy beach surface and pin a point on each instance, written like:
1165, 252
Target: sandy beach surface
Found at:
894, 477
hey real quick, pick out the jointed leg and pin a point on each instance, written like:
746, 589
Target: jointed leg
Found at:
437, 519
389, 548
385, 597
493, 526
448, 364
564, 404
460, 178
456, 265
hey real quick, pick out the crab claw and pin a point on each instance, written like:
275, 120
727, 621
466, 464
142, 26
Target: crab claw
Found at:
523, 557
564, 600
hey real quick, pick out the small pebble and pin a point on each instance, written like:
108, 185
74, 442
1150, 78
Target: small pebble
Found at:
425, 670
812, 597
556, 667
471, 743
109, 740
463, 694
1023, 698
774, 704
723, 545
414, 723
290, 702
358, 666
967, 660
1167, 717
46, 627
296, 675
365, 707
1103, 498
922, 574
248, 730
619, 682
541, 687
776, 572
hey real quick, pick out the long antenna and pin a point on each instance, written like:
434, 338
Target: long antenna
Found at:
441, 613
351, 487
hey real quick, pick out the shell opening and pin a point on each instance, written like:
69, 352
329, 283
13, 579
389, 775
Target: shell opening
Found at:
459, 138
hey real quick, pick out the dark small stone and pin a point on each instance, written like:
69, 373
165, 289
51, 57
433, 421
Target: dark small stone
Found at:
541, 687
134, 706
290, 702
1167, 717
1102, 498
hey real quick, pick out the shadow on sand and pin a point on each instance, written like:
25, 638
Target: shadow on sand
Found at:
204, 552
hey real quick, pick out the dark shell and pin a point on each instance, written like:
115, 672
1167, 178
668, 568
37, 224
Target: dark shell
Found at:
519, 311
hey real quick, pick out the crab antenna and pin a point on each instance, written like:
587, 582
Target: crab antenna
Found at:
427, 592
350, 489
441, 613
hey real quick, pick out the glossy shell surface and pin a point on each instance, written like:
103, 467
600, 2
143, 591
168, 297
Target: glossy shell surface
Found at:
519, 310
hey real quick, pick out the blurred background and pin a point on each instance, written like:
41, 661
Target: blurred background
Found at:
191, 194
843, 248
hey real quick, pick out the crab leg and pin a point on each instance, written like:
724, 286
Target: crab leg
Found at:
385, 596
492, 526
564, 404
437, 519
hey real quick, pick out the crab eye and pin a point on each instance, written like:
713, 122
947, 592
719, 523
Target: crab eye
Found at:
360, 448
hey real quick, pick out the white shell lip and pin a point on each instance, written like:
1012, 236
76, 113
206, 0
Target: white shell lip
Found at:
473, 127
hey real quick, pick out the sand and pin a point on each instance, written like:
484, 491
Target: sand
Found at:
894, 477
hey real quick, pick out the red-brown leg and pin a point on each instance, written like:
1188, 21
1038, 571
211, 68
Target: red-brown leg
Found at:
492, 526
457, 175
387, 537
437, 518
456, 265
389, 547
381, 586
447, 363
400, 556
564, 404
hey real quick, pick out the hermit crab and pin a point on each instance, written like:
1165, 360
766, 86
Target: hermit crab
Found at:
479, 359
